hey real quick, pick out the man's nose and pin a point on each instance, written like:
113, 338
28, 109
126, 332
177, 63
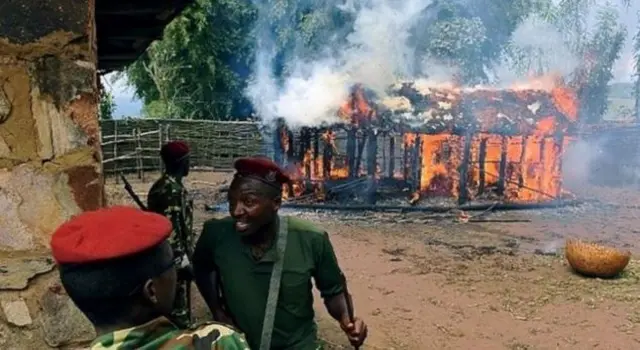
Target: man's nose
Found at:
237, 210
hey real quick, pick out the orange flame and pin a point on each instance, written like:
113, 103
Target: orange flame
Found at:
525, 167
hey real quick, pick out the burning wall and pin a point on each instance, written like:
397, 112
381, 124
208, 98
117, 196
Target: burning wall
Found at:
460, 143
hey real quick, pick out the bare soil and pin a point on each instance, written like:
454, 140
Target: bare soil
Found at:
421, 283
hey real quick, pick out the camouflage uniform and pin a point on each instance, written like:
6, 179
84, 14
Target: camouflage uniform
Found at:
168, 197
161, 334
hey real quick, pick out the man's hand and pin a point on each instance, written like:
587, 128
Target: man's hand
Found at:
356, 331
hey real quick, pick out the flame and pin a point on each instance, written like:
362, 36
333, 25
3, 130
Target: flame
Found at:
515, 167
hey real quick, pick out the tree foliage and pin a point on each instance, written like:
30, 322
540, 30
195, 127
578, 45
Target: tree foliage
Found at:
601, 52
200, 67
203, 64
107, 105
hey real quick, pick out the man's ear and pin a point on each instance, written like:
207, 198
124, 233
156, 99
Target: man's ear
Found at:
149, 291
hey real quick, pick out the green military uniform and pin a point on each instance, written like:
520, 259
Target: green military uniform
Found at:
245, 281
161, 334
168, 197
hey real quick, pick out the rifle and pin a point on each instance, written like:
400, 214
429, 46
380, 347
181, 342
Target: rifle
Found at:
349, 303
134, 196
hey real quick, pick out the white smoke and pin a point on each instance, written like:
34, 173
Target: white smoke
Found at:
542, 49
377, 55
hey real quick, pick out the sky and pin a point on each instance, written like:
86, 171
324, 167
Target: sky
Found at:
128, 105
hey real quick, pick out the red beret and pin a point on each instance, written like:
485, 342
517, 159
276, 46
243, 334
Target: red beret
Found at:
108, 233
262, 168
174, 151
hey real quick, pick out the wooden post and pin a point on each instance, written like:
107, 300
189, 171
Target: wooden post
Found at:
372, 155
327, 154
290, 148
482, 158
362, 142
416, 163
523, 153
463, 169
305, 147
278, 146
392, 155
351, 150
383, 151
559, 145
139, 155
541, 179
406, 157
159, 162
316, 149
502, 172
302, 143
115, 151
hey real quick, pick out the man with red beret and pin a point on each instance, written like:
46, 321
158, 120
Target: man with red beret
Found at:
255, 268
168, 196
118, 268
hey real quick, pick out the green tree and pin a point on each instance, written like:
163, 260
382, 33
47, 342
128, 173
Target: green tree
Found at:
597, 50
470, 35
200, 67
601, 52
107, 105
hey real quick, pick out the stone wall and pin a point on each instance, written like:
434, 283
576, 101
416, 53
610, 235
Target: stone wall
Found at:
49, 161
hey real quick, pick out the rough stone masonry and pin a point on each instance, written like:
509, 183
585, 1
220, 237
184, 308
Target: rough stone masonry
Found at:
50, 161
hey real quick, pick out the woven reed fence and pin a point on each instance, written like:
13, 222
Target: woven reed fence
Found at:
133, 145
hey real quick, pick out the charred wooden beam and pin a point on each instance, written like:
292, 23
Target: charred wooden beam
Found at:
523, 155
406, 157
304, 150
290, 155
463, 169
502, 172
278, 145
542, 179
351, 150
416, 164
383, 151
362, 142
482, 157
559, 144
372, 155
327, 154
316, 149
392, 155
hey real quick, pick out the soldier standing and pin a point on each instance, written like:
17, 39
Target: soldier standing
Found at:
263, 264
168, 196
118, 268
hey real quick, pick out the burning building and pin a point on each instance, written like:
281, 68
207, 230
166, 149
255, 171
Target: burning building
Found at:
425, 141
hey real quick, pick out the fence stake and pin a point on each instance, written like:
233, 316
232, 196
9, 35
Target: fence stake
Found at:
115, 150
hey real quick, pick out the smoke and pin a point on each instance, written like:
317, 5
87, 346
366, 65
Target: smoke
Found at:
386, 38
537, 47
577, 160
376, 54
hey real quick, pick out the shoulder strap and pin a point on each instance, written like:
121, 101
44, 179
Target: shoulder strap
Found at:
274, 285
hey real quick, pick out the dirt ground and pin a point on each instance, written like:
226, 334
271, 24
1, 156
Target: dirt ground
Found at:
421, 283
